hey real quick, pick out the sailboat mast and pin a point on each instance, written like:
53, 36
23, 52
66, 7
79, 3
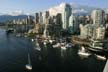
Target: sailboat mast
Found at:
29, 62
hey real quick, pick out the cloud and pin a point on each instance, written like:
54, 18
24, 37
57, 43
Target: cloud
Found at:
80, 11
76, 8
16, 13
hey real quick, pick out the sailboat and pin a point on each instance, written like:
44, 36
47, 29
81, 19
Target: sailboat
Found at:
29, 66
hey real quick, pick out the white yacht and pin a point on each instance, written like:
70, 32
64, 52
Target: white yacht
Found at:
51, 41
56, 45
29, 66
63, 48
82, 52
101, 57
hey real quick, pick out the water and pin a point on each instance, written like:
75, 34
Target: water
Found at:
14, 51
70, 61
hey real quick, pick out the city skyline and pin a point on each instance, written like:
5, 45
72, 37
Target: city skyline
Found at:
32, 6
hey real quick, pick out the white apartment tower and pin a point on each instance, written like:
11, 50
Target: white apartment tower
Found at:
45, 16
65, 15
100, 32
98, 16
73, 23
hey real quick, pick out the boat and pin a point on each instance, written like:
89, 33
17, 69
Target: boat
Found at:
69, 45
56, 45
32, 40
9, 30
18, 35
29, 66
51, 41
101, 57
82, 52
63, 48
37, 46
97, 46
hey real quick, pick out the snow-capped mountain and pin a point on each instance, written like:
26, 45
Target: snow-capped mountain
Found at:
16, 13
76, 8
13, 15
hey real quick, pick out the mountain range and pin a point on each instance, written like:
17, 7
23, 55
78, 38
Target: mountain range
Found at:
4, 18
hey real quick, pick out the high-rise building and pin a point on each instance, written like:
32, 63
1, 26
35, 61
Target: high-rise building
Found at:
58, 19
57, 24
65, 16
98, 16
73, 24
40, 18
14, 21
29, 20
106, 18
91, 31
99, 32
88, 19
86, 31
36, 18
45, 17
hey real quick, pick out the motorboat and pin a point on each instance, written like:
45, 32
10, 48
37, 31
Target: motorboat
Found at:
51, 41
101, 57
32, 40
69, 45
63, 47
56, 45
82, 52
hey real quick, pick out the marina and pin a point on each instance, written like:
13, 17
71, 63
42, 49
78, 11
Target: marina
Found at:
44, 57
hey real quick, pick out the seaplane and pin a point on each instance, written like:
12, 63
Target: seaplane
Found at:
28, 66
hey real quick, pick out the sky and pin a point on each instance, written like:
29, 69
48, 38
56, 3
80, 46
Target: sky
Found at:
31, 6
